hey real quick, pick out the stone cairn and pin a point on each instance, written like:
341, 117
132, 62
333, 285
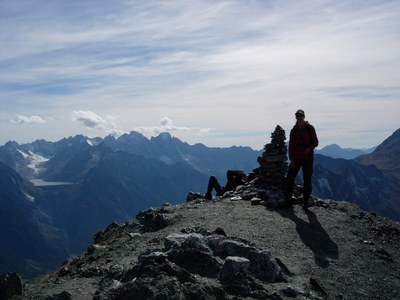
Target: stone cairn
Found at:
273, 167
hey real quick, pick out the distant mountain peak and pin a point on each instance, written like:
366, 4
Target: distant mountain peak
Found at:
386, 156
391, 141
165, 136
336, 151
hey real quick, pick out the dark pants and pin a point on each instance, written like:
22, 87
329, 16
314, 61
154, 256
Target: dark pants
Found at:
234, 179
307, 168
213, 184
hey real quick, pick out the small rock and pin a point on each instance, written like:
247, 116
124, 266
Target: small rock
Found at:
10, 285
230, 247
156, 256
64, 295
219, 231
255, 201
94, 247
233, 266
193, 196
383, 254
64, 271
290, 292
191, 240
264, 267
196, 229
90, 272
317, 286
153, 219
133, 235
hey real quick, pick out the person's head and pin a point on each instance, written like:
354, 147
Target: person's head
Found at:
300, 115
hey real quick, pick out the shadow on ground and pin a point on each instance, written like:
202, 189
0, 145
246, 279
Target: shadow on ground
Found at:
313, 236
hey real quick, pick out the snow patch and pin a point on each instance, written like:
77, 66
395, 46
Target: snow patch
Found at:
26, 156
166, 160
29, 197
34, 160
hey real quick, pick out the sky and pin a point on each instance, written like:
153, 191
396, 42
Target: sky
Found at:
220, 73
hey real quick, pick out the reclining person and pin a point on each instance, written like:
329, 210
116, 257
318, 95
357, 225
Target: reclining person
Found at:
234, 177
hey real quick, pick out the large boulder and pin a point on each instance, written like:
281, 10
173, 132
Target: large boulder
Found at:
234, 274
155, 219
10, 285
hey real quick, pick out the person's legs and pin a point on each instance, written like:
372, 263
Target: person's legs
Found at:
290, 178
231, 177
307, 169
213, 184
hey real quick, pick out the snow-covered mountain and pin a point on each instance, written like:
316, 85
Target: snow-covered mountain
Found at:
55, 161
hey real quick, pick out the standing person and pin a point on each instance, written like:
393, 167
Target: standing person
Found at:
302, 142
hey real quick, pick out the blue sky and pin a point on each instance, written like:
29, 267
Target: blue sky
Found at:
217, 72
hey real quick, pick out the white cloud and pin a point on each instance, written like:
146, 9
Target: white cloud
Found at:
89, 119
21, 119
165, 125
92, 120
207, 130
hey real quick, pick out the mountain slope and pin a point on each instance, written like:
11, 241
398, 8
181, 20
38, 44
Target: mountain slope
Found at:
367, 186
30, 243
325, 252
116, 189
386, 156
169, 150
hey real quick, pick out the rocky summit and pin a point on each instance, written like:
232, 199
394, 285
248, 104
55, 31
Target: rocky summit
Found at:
228, 248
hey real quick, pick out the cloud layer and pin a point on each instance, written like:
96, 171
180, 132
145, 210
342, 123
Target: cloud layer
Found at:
238, 69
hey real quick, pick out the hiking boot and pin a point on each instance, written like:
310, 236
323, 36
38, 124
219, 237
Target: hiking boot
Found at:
208, 196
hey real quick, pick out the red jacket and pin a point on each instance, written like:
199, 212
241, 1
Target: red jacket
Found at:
300, 140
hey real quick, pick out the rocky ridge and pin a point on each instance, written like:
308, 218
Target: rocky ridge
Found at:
230, 249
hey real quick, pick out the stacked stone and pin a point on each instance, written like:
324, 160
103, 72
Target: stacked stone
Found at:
273, 166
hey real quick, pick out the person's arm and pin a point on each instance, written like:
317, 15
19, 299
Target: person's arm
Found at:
314, 139
291, 145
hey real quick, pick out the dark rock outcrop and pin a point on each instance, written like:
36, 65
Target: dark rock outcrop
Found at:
189, 260
10, 285
155, 219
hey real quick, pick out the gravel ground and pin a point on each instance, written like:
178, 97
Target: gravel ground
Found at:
333, 250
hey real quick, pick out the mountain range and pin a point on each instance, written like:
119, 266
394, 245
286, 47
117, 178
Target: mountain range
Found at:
335, 151
87, 183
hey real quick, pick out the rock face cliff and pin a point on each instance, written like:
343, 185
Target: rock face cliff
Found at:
230, 249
